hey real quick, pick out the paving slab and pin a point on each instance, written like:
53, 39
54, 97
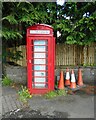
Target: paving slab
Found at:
10, 101
7, 90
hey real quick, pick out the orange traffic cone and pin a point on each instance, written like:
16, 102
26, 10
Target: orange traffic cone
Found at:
61, 81
67, 81
80, 80
73, 81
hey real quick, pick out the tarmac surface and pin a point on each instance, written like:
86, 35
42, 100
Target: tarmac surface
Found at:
78, 105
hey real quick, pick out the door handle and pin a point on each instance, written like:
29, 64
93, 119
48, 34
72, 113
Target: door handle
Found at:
29, 61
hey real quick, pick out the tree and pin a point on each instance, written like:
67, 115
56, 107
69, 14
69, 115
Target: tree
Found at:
18, 17
77, 23
25, 14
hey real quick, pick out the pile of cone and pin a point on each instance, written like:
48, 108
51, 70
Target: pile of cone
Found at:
71, 83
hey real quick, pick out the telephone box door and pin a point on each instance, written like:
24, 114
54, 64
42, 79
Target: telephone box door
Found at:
40, 64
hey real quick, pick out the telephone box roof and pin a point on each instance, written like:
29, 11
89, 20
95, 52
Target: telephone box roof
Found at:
41, 25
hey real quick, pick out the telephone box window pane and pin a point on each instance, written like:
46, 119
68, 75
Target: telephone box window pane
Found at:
40, 67
42, 83
40, 61
40, 48
42, 74
39, 55
40, 42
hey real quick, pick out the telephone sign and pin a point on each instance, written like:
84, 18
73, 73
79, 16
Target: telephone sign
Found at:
39, 32
40, 58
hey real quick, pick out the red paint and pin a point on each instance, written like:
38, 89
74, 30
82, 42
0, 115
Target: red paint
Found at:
40, 59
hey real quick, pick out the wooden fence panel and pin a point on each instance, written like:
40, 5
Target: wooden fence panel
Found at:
66, 55
22, 62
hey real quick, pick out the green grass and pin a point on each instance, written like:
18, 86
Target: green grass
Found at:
6, 81
55, 93
51, 94
61, 92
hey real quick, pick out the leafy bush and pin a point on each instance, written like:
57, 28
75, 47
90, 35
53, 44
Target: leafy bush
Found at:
6, 81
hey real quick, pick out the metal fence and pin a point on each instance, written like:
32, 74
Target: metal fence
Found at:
65, 55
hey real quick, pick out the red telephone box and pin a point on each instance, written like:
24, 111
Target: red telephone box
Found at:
40, 58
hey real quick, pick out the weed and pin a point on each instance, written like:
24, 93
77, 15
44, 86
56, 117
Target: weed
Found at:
6, 81
24, 94
51, 94
62, 92
55, 93
91, 65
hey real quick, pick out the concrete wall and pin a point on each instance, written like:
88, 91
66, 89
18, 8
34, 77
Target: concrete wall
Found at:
19, 74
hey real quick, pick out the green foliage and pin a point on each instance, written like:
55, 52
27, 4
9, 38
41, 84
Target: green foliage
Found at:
76, 21
55, 93
10, 34
62, 92
24, 94
11, 19
6, 81
16, 55
27, 14
51, 94
92, 65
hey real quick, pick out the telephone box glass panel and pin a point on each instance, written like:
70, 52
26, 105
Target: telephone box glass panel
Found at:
40, 61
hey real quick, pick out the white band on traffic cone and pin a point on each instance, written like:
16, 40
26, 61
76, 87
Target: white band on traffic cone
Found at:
73, 78
67, 76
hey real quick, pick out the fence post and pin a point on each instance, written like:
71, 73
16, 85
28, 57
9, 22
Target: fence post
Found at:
85, 55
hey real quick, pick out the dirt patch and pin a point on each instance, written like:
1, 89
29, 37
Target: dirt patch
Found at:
89, 90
